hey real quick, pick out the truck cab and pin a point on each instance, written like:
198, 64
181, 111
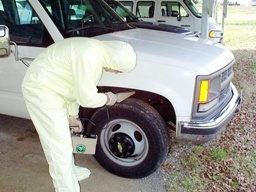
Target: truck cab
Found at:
180, 82
182, 13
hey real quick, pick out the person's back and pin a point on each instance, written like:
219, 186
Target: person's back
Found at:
56, 67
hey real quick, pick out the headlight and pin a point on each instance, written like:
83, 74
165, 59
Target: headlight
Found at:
216, 34
209, 92
212, 93
204, 91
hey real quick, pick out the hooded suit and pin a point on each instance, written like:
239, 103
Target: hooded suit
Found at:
62, 78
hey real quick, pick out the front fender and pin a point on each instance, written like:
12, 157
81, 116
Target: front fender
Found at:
173, 83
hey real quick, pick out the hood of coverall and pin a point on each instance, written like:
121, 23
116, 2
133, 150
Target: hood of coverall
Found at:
120, 56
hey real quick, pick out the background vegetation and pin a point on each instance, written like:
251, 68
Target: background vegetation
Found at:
227, 163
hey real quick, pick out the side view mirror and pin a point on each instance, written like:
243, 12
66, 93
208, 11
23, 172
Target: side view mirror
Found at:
5, 48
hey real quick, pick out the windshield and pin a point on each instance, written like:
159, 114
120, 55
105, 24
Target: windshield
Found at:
84, 17
193, 8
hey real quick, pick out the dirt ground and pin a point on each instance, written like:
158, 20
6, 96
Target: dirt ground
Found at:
23, 167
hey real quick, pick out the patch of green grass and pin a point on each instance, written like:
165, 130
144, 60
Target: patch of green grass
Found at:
247, 162
253, 64
218, 154
192, 162
234, 184
240, 28
199, 149
189, 182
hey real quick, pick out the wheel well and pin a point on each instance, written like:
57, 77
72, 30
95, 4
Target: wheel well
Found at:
160, 103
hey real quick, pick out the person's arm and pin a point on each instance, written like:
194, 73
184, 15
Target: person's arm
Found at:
73, 108
87, 71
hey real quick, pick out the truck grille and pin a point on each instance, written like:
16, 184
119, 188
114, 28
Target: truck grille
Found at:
227, 74
226, 93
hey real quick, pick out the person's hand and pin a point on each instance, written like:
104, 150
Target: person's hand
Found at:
111, 98
75, 123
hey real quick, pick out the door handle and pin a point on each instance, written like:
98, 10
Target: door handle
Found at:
161, 21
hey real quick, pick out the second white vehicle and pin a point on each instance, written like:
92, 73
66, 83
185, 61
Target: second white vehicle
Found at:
182, 13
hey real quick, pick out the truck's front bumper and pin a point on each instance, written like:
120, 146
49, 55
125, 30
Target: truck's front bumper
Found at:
188, 130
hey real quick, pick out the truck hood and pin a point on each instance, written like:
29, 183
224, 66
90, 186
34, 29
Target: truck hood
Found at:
191, 53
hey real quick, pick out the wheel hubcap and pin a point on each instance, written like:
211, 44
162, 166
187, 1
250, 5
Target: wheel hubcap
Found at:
121, 145
124, 142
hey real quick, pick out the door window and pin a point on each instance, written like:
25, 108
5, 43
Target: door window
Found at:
173, 9
145, 9
128, 5
25, 26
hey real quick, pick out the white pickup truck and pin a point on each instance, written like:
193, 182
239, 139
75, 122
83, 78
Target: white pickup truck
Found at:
181, 82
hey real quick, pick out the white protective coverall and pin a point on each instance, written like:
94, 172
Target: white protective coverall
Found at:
61, 78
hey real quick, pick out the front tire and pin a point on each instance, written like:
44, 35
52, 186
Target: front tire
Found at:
132, 138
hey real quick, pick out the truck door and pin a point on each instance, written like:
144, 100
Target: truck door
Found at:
173, 13
28, 38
